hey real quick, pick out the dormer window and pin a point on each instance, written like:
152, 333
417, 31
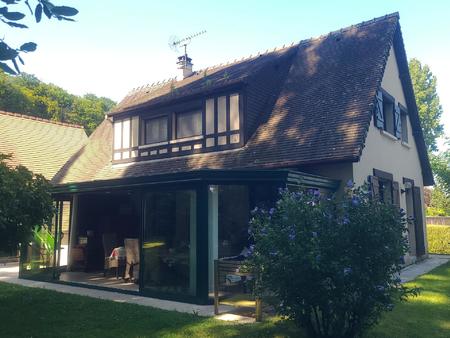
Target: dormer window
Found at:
212, 124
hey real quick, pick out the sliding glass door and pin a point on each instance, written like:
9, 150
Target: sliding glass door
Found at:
169, 242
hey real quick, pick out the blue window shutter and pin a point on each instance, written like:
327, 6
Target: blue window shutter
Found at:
379, 114
397, 122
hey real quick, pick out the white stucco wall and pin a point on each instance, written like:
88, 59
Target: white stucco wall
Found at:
386, 153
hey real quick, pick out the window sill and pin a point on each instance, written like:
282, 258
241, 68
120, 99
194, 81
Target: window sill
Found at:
192, 138
388, 135
406, 144
153, 145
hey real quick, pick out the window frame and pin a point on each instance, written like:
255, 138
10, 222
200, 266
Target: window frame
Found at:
145, 121
176, 114
383, 179
404, 123
388, 99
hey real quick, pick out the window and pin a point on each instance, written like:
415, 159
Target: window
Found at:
387, 115
222, 114
201, 124
404, 122
209, 116
125, 138
388, 111
234, 112
385, 193
384, 187
188, 124
156, 130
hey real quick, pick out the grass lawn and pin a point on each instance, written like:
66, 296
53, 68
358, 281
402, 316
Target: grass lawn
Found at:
30, 312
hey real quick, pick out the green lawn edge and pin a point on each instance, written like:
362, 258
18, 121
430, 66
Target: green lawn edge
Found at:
35, 312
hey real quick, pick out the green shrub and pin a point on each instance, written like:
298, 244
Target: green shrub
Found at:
438, 239
331, 265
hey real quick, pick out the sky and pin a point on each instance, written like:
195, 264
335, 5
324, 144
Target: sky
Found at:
114, 46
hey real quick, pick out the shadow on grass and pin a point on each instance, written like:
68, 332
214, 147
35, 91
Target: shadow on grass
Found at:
27, 312
33, 312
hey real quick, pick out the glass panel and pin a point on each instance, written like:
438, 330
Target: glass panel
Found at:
156, 130
210, 116
233, 218
189, 124
126, 133
134, 131
210, 142
64, 234
222, 140
117, 156
385, 187
222, 113
169, 241
234, 138
404, 127
118, 135
388, 110
234, 112
37, 257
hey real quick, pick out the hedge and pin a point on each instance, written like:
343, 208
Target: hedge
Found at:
438, 239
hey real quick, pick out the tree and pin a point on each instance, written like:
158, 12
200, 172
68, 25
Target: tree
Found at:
25, 203
427, 100
26, 94
441, 169
330, 265
13, 18
439, 204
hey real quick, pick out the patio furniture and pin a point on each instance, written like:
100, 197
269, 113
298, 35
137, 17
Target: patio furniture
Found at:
132, 258
230, 274
109, 241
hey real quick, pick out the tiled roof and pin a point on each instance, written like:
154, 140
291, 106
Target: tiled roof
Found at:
311, 103
41, 145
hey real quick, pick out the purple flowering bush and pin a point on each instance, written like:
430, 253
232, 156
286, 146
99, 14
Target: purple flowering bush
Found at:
330, 265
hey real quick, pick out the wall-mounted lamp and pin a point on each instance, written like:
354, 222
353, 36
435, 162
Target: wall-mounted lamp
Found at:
408, 186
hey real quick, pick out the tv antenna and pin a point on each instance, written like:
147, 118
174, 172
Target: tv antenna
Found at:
175, 42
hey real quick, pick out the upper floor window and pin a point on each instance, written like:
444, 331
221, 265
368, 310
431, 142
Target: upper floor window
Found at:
197, 126
388, 117
156, 130
404, 123
125, 142
222, 116
188, 124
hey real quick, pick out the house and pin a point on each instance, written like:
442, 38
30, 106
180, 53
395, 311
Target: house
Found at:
177, 166
41, 145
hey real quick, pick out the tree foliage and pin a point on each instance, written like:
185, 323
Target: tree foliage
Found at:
26, 94
441, 168
427, 99
25, 202
330, 265
12, 14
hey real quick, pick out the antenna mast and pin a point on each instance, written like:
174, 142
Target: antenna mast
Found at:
184, 61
